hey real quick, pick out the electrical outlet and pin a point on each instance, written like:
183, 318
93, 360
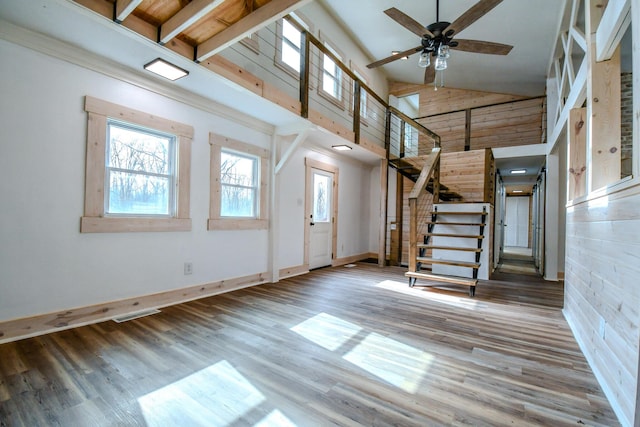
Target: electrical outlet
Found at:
188, 268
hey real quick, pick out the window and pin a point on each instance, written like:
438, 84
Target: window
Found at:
239, 195
289, 36
363, 94
331, 75
290, 45
137, 172
239, 174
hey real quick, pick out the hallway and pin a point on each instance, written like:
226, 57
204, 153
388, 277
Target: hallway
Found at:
517, 260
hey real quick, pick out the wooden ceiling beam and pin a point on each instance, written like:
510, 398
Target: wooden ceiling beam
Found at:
124, 9
261, 17
186, 17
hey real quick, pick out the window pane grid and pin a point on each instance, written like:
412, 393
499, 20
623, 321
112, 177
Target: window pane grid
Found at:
139, 171
239, 185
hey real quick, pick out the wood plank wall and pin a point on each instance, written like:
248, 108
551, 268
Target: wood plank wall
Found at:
425, 204
506, 124
601, 289
470, 174
450, 127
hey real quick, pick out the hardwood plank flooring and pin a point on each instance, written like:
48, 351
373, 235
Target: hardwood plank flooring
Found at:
338, 346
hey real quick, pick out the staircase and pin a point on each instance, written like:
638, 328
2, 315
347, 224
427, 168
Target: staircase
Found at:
456, 236
455, 239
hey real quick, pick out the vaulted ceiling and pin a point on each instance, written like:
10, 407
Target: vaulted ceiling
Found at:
529, 26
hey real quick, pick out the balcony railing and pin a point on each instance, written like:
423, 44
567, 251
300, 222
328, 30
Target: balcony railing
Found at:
352, 110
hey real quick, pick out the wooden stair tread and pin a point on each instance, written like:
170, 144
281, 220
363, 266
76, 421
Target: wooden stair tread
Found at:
466, 236
476, 224
448, 248
458, 213
427, 260
442, 278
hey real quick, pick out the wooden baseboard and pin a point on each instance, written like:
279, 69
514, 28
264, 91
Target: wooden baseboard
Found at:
353, 258
13, 330
293, 271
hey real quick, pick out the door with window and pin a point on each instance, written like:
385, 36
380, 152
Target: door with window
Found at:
320, 218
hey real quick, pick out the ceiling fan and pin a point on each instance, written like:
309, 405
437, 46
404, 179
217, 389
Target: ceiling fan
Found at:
437, 38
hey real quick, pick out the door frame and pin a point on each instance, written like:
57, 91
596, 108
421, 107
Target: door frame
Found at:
311, 164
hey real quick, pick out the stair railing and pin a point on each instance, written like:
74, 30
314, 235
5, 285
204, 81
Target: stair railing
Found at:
430, 170
405, 137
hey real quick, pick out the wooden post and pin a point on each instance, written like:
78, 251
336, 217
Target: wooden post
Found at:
356, 111
577, 153
413, 234
382, 233
606, 122
305, 55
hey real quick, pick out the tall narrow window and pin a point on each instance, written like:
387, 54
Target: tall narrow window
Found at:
140, 178
331, 76
363, 95
239, 185
290, 45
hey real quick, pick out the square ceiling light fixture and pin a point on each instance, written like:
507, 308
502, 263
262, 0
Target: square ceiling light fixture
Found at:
165, 69
341, 147
518, 171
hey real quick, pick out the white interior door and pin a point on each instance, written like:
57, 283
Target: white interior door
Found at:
320, 219
517, 221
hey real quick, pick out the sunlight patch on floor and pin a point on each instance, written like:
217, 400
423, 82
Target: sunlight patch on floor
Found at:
275, 419
327, 331
392, 361
419, 292
396, 363
215, 396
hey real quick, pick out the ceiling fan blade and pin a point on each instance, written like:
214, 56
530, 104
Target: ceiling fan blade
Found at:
478, 46
408, 22
429, 75
395, 57
472, 15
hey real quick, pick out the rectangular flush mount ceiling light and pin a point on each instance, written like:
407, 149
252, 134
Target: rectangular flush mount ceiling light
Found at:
165, 69
341, 147
518, 171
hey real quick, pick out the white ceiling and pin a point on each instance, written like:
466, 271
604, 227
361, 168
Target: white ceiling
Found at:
517, 22
529, 26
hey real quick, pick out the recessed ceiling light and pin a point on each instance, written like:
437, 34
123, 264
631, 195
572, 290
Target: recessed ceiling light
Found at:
518, 171
517, 191
341, 147
165, 69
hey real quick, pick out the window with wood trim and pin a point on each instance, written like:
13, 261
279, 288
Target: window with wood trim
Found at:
331, 74
289, 43
137, 172
238, 180
363, 94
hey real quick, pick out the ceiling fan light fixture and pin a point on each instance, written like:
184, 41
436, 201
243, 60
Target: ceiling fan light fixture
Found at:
443, 51
441, 63
425, 59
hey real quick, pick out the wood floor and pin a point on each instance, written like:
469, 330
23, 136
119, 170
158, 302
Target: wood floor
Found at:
339, 346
